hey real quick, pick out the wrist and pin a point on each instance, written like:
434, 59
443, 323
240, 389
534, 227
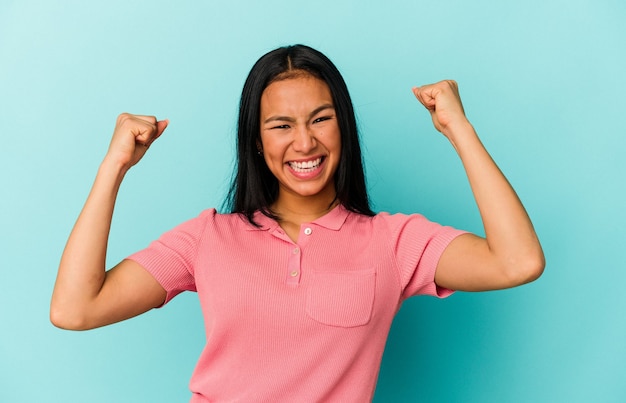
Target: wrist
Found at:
113, 166
459, 133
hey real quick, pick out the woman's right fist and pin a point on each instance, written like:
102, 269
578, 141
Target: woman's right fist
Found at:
132, 136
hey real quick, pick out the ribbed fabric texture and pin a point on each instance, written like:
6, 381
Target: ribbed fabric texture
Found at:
304, 321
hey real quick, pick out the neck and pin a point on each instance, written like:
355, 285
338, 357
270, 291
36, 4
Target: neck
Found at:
297, 209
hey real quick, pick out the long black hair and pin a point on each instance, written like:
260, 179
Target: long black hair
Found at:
254, 187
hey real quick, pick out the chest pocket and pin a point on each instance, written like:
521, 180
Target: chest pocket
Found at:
343, 299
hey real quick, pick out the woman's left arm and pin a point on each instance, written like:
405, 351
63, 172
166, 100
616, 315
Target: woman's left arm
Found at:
510, 254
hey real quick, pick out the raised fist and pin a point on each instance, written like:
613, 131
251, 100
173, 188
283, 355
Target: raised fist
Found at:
132, 136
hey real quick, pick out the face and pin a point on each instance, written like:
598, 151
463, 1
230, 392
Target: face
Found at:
300, 137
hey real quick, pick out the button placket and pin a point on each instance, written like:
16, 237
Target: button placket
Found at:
293, 272
294, 269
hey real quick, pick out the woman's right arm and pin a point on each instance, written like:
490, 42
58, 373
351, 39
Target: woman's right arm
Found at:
85, 295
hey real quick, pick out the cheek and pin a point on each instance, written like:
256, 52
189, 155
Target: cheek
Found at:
273, 152
336, 141
331, 137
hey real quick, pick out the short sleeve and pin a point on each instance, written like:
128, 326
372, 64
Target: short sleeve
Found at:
171, 259
417, 245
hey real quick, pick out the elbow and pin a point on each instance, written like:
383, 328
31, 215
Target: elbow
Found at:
65, 319
528, 269
58, 319
534, 269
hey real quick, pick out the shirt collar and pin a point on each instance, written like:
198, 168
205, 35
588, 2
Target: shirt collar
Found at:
332, 220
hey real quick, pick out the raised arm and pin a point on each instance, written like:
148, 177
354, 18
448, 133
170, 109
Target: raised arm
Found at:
510, 254
86, 296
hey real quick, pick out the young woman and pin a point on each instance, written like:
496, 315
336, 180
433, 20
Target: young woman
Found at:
299, 284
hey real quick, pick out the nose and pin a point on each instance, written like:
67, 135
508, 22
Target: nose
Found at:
304, 140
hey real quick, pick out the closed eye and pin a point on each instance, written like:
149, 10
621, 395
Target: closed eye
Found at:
322, 119
280, 127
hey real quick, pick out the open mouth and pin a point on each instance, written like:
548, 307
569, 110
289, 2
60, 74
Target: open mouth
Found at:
306, 166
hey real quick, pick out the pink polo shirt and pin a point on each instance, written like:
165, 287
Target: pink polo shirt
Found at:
304, 321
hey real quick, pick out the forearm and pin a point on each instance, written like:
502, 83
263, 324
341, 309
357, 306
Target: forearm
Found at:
509, 232
81, 271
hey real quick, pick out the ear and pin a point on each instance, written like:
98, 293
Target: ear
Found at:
259, 147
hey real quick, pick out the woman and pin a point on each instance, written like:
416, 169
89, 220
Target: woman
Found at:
300, 283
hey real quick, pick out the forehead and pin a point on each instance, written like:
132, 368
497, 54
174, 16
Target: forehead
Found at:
300, 92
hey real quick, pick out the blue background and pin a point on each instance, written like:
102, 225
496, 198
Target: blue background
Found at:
542, 81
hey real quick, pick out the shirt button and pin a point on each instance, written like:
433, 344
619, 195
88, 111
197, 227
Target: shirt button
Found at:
293, 273
307, 231
296, 251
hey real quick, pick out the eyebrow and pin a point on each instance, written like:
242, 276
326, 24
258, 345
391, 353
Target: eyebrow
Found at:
290, 119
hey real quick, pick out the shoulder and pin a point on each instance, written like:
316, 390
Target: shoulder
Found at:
413, 228
216, 224
396, 221
208, 220
389, 225
211, 215
202, 230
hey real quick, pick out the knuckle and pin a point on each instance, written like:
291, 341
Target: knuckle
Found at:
123, 118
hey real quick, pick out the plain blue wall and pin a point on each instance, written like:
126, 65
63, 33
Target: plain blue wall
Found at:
542, 81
